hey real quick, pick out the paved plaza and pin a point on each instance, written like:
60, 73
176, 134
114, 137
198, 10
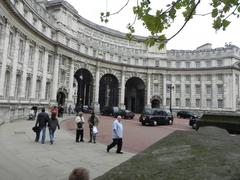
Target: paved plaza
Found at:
23, 159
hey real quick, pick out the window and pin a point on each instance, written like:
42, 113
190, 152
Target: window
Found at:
197, 102
168, 64
28, 87
178, 89
47, 92
208, 63
94, 53
198, 64
156, 63
10, 44
187, 64
156, 88
7, 84
40, 61
188, 89
220, 103
136, 61
220, 77
67, 41
111, 57
119, 58
178, 64
63, 74
43, 28
178, 77
34, 21
169, 77
220, 89
50, 64
198, 89
219, 62
209, 77
209, 89
38, 89
145, 62
21, 51
198, 78
86, 50
187, 101
188, 78
31, 55
209, 103
53, 34
177, 101
18, 86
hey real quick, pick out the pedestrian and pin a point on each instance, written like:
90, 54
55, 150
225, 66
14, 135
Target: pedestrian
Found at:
53, 124
79, 174
80, 129
54, 110
70, 109
42, 122
117, 135
93, 122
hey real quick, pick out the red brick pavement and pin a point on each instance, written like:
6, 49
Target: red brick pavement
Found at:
136, 137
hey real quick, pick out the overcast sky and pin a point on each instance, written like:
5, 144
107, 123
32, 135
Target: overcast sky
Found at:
197, 32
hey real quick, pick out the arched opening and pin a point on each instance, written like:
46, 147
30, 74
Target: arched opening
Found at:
108, 91
155, 103
61, 96
134, 94
84, 88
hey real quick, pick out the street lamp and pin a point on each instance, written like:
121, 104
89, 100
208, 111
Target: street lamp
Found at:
170, 87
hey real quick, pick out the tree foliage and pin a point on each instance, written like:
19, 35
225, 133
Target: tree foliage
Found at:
162, 19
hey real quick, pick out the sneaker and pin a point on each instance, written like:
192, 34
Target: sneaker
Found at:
89, 141
108, 149
81, 140
119, 152
51, 142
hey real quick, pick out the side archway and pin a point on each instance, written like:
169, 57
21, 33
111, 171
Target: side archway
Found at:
61, 96
134, 94
156, 102
84, 80
108, 91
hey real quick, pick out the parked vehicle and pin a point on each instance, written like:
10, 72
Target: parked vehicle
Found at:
87, 109
126, 114
186, 114
156, 116
109, 111
193, 121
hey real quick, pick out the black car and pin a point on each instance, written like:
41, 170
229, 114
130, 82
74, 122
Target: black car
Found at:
156, 116
126, 114
109, 111
186, 114
87, 109
193, 121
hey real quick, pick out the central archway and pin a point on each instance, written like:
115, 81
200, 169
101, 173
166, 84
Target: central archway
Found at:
134, 94
108, 91
85, 87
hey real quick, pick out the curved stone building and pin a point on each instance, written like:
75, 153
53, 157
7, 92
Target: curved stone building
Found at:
49, 55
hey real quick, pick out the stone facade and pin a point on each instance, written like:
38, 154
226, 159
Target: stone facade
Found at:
44, 43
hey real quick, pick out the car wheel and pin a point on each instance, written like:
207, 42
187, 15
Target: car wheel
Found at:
194, 126
143, 123
170, 122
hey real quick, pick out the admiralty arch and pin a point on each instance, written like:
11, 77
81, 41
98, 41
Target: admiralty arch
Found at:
51, 55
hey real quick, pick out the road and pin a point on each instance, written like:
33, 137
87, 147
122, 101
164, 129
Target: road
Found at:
136, 137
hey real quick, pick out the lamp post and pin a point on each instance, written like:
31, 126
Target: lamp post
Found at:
170, 87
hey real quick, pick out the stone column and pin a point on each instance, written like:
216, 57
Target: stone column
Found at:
70, 95
193, 92
122, 97
55, 79
14, 69
148, 90
44, 76
25, 66
233, 95
203, 94
96, 104
214, 92
35, 71
164, 91
4, 59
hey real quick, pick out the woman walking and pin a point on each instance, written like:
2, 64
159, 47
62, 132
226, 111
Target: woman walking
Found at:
93, 122
53, 126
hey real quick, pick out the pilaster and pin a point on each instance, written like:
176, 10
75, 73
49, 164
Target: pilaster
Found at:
122, 105
148, 89
70, 95
55, 78
44, 76
35, 71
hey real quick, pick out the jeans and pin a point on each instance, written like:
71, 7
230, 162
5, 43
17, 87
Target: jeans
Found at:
43, 132
51, 134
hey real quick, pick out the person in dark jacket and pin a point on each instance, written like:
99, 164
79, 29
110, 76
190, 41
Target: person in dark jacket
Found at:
53, 124
42, 122
92, 121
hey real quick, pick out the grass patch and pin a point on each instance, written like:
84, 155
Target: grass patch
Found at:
210, 153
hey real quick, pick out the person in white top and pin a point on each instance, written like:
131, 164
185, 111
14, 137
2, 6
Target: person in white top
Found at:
117, 135
79, 130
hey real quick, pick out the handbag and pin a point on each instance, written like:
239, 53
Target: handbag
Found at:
35, 129
95, 130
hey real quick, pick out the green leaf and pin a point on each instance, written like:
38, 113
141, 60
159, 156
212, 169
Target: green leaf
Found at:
214, 12
225, 23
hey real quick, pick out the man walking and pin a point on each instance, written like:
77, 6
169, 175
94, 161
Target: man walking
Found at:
42, 121
117, 134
